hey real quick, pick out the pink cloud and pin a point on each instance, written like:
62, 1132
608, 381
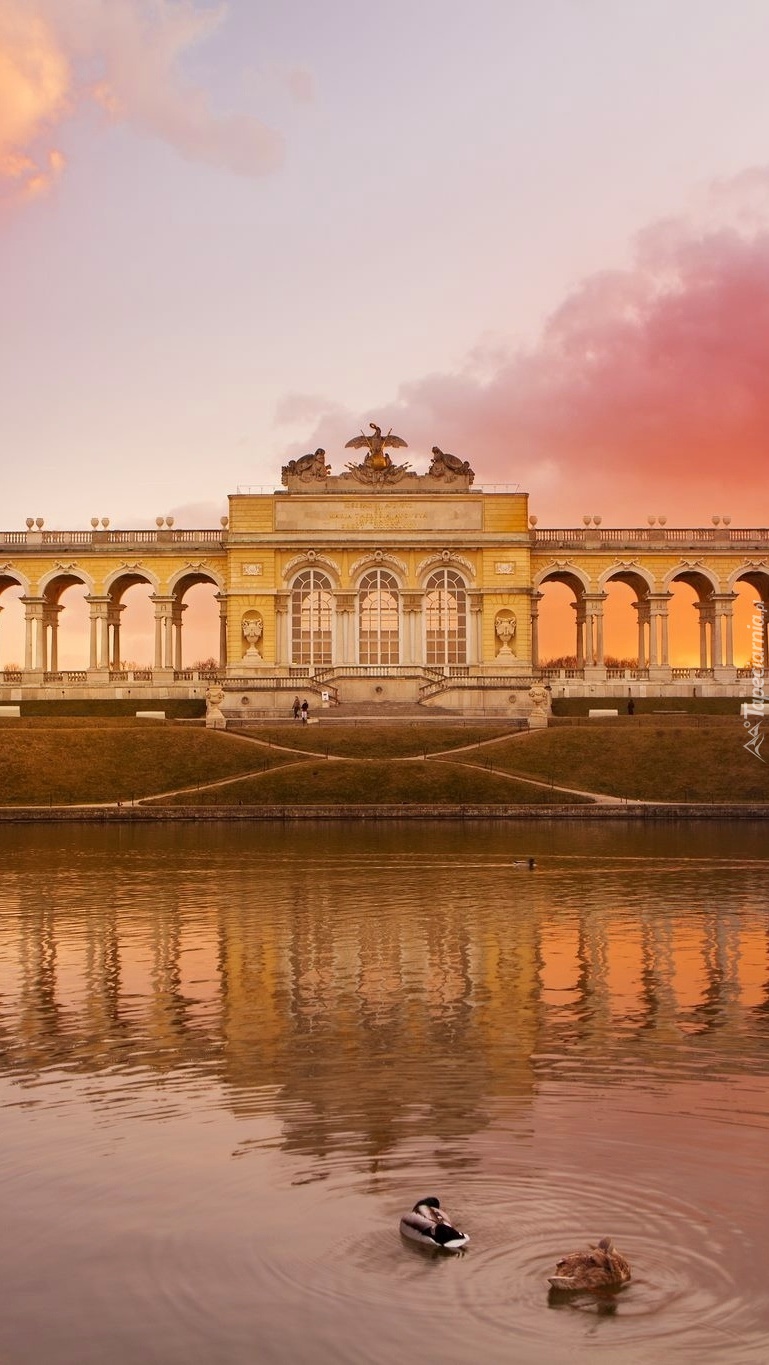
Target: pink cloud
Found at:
646, 393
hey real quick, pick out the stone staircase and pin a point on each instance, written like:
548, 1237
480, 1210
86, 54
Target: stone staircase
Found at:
383, 710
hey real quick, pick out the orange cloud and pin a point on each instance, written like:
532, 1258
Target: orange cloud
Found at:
34, 93
138, 48
49, 52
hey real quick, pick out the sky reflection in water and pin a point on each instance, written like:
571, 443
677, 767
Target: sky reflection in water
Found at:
232, 1056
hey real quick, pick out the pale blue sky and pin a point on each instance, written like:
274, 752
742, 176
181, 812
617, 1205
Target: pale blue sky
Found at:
451, 172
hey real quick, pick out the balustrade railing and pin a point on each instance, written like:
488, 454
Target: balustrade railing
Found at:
98, 538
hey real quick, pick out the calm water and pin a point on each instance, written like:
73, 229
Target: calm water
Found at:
232, 1056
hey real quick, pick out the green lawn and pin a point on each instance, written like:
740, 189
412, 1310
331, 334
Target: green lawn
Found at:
373, 783
371, 740
70, 762
661, 764
113, 763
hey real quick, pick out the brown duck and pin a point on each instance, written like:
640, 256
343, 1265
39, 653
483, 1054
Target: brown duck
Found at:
600, 1267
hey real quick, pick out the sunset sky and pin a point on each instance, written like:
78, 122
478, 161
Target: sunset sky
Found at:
535, 234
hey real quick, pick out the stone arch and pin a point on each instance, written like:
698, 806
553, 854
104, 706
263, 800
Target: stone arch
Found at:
648, 629
136, 629
13, 578
180, 582
444, 559
173, 606
706, 586
757, 575
127, 576
563, 572
379, 559
56, 581
578, 583
311, 559
697, 575
12, 649
634, 575
43, 617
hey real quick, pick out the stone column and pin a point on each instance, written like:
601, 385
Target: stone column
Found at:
706, 612
723, 649
35, 653
593, 606
345, 615
93, 654
579, 609
411, 603
475, 635
282, 625
99, 641
221, 598
51, 622
643, 610
33, 612
536, 598
176, 620
113, 623
658, 634
163, 630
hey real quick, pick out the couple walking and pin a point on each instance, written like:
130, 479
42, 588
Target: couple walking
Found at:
301, 709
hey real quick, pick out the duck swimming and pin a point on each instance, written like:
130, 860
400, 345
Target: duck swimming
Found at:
600, 1267
528, 863
428, 1224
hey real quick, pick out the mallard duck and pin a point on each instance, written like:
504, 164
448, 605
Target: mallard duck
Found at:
527, 864
600, 1267
428, 1224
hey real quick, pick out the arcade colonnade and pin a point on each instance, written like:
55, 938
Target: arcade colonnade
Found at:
428, 586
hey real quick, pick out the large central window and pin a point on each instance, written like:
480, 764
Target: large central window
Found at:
312, 609
378, 618
445, 618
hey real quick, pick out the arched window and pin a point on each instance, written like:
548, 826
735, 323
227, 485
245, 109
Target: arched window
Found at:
445, 618
378, 618
312, 609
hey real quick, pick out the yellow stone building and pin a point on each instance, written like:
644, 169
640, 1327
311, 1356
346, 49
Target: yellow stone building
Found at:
380, 585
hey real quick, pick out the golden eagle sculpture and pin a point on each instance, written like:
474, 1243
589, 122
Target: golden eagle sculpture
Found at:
377, 457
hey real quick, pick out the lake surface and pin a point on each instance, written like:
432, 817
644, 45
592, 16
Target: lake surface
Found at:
232, 1056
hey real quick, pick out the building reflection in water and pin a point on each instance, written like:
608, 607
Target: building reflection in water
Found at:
359, 999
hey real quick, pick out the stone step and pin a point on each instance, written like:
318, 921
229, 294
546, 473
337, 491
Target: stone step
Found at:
382, 709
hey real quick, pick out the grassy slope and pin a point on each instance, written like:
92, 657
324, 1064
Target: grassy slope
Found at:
83, 763
651, 765
370, 740
318, 782
61, 766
